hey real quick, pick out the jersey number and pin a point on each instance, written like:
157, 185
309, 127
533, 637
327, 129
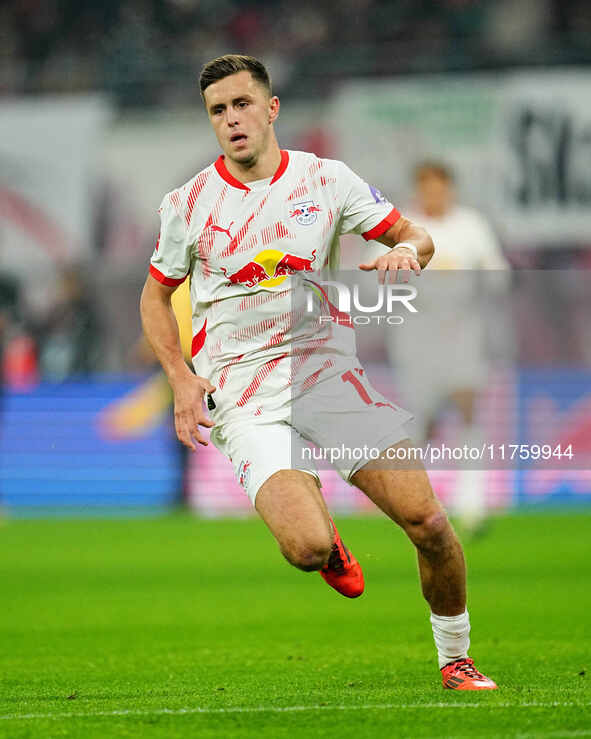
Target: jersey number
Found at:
363, 394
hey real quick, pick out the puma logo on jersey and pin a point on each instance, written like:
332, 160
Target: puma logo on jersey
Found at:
223, 230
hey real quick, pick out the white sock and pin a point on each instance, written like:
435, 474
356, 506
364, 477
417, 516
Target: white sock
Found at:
470, 495
452, 637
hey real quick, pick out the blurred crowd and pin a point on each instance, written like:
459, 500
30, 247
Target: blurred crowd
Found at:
149, 51
65, 342
85, 330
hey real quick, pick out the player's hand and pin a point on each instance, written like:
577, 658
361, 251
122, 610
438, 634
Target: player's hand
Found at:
399, 259
188, 409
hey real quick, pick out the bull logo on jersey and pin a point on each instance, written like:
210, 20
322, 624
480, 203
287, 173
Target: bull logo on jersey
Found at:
270, 268
305, 213
244, 473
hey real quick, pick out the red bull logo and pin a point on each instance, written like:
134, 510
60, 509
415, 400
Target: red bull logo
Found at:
244, 472
270, 268
249, 275
305, 213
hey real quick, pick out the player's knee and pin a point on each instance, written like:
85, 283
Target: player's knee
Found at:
430, 530
308, 555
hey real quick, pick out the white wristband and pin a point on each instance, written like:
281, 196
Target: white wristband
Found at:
407, 245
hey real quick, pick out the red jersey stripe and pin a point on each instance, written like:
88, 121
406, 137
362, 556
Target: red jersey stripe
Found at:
312, 379
226, 370
382, 226
206, 239
199, 340
168, 281
198, 185
257, 380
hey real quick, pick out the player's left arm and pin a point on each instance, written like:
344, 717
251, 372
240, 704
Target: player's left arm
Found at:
401, 237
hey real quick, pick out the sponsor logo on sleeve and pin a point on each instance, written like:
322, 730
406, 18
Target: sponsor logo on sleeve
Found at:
377, 195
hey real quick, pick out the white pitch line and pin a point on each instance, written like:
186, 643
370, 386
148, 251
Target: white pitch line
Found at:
558, 734
286, 709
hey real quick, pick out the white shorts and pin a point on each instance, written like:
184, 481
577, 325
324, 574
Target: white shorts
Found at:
346, 419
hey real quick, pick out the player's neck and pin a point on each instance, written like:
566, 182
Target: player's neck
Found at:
266, 165
437, 211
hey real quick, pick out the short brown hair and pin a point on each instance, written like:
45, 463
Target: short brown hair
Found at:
433, 167
228, 64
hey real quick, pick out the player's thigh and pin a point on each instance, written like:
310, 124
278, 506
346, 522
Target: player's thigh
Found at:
280, 481
258, 449
400, 488
292, 506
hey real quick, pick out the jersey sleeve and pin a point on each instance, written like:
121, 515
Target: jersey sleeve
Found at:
171, 259
365, 210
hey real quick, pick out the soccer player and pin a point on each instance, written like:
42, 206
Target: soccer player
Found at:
450, 317
245, 229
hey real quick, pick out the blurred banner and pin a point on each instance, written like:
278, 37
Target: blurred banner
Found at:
84, 447
542, 145
90, 445
511, 405
48, 151
519, 143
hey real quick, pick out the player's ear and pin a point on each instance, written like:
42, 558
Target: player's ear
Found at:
273, 108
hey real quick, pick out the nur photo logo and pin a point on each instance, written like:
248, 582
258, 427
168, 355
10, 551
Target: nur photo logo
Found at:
385, 299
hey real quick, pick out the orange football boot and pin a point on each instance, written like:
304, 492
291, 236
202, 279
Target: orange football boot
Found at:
342, 571
462, 675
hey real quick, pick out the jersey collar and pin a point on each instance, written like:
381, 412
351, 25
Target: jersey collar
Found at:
223, 172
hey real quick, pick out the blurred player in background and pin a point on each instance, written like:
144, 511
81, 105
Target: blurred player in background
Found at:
464, 238
248, 229
450, 326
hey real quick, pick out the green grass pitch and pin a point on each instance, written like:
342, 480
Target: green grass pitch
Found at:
180, 627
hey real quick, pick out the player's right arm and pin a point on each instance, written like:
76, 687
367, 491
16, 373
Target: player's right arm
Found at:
161, 330
367, 212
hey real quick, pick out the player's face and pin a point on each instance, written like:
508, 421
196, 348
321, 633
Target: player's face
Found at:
434, 193
241, 113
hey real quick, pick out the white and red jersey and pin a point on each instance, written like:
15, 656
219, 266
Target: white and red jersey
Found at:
242, 244
463, 239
